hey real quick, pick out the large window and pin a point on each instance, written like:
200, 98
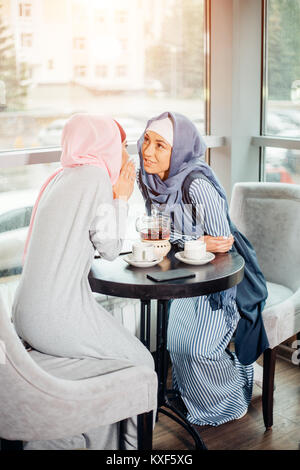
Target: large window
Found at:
155, 55
282, 87
118, 57
282, 165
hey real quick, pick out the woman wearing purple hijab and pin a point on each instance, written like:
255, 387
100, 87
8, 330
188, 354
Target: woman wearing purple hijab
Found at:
213, 384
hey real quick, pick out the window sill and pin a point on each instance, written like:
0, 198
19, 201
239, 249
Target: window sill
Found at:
14, 158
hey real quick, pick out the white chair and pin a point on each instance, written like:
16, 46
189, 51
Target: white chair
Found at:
47, 398
268, 214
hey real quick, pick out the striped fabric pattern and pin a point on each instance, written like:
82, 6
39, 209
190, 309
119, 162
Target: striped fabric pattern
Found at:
215, 220
214, 386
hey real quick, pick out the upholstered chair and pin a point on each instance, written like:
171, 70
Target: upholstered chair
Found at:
45, 398
268, 214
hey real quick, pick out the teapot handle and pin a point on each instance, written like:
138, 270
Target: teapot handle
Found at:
138, 226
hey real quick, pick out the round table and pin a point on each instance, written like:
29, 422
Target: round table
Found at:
117, 278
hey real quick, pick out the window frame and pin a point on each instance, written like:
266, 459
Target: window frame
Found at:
14, 158
264, 140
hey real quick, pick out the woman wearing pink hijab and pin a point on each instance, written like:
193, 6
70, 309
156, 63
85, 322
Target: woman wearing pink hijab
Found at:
82, 207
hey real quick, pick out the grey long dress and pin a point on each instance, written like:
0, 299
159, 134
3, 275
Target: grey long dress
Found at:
54, 309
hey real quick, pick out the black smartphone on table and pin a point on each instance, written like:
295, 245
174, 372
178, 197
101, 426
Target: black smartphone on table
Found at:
171, 275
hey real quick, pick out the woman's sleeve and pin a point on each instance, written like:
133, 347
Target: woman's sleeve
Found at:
108, 228
213, 206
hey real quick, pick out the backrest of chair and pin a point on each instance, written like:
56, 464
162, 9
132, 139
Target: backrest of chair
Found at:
8, 288
25, 387
268, 214
17, 373
36, 405
12, 351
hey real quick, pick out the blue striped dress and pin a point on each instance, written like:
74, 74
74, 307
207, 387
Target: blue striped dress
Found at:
213, 384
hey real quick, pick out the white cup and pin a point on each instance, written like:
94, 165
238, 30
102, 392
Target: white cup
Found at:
143, 252
194, 249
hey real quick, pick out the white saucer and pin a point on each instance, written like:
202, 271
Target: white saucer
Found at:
208, 257
141, 264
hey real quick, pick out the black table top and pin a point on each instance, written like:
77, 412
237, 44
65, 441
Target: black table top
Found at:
117, 278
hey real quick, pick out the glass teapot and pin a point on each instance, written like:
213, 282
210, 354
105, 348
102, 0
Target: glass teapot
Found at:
154, 227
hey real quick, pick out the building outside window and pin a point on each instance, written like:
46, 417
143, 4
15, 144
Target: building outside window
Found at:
101, 22
124, 44
164, 60
101, 71
80, 71
26, 40
121, 16
157, 66
100, 18
79, 43
282, 88
121, 71
25, 10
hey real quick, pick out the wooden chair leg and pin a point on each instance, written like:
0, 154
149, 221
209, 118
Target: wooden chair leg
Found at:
11, 445
268, 386
145, 431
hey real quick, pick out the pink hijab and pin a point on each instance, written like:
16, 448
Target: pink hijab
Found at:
87, 139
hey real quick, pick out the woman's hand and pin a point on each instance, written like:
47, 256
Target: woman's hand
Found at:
123, 188
218, 244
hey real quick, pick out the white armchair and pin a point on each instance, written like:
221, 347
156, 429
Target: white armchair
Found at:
268, 214
50, 398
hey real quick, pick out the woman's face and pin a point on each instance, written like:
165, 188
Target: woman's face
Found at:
125, 154
156, 153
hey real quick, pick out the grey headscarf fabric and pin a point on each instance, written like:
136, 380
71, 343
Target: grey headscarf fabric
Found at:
187, 152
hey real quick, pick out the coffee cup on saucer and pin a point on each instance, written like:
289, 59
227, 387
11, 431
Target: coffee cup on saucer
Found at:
143, 252
194, 249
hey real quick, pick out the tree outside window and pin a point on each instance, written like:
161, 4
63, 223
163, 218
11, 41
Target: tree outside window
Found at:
14, 77
282, 88
175, 59
283, 47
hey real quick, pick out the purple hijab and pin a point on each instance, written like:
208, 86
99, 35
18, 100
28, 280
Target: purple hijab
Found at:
187, 155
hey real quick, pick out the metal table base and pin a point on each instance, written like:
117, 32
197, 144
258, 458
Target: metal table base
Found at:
161, 365
116, 278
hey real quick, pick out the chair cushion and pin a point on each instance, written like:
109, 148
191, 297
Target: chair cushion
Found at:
76, 368
277, 293
103, 437
281, 314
